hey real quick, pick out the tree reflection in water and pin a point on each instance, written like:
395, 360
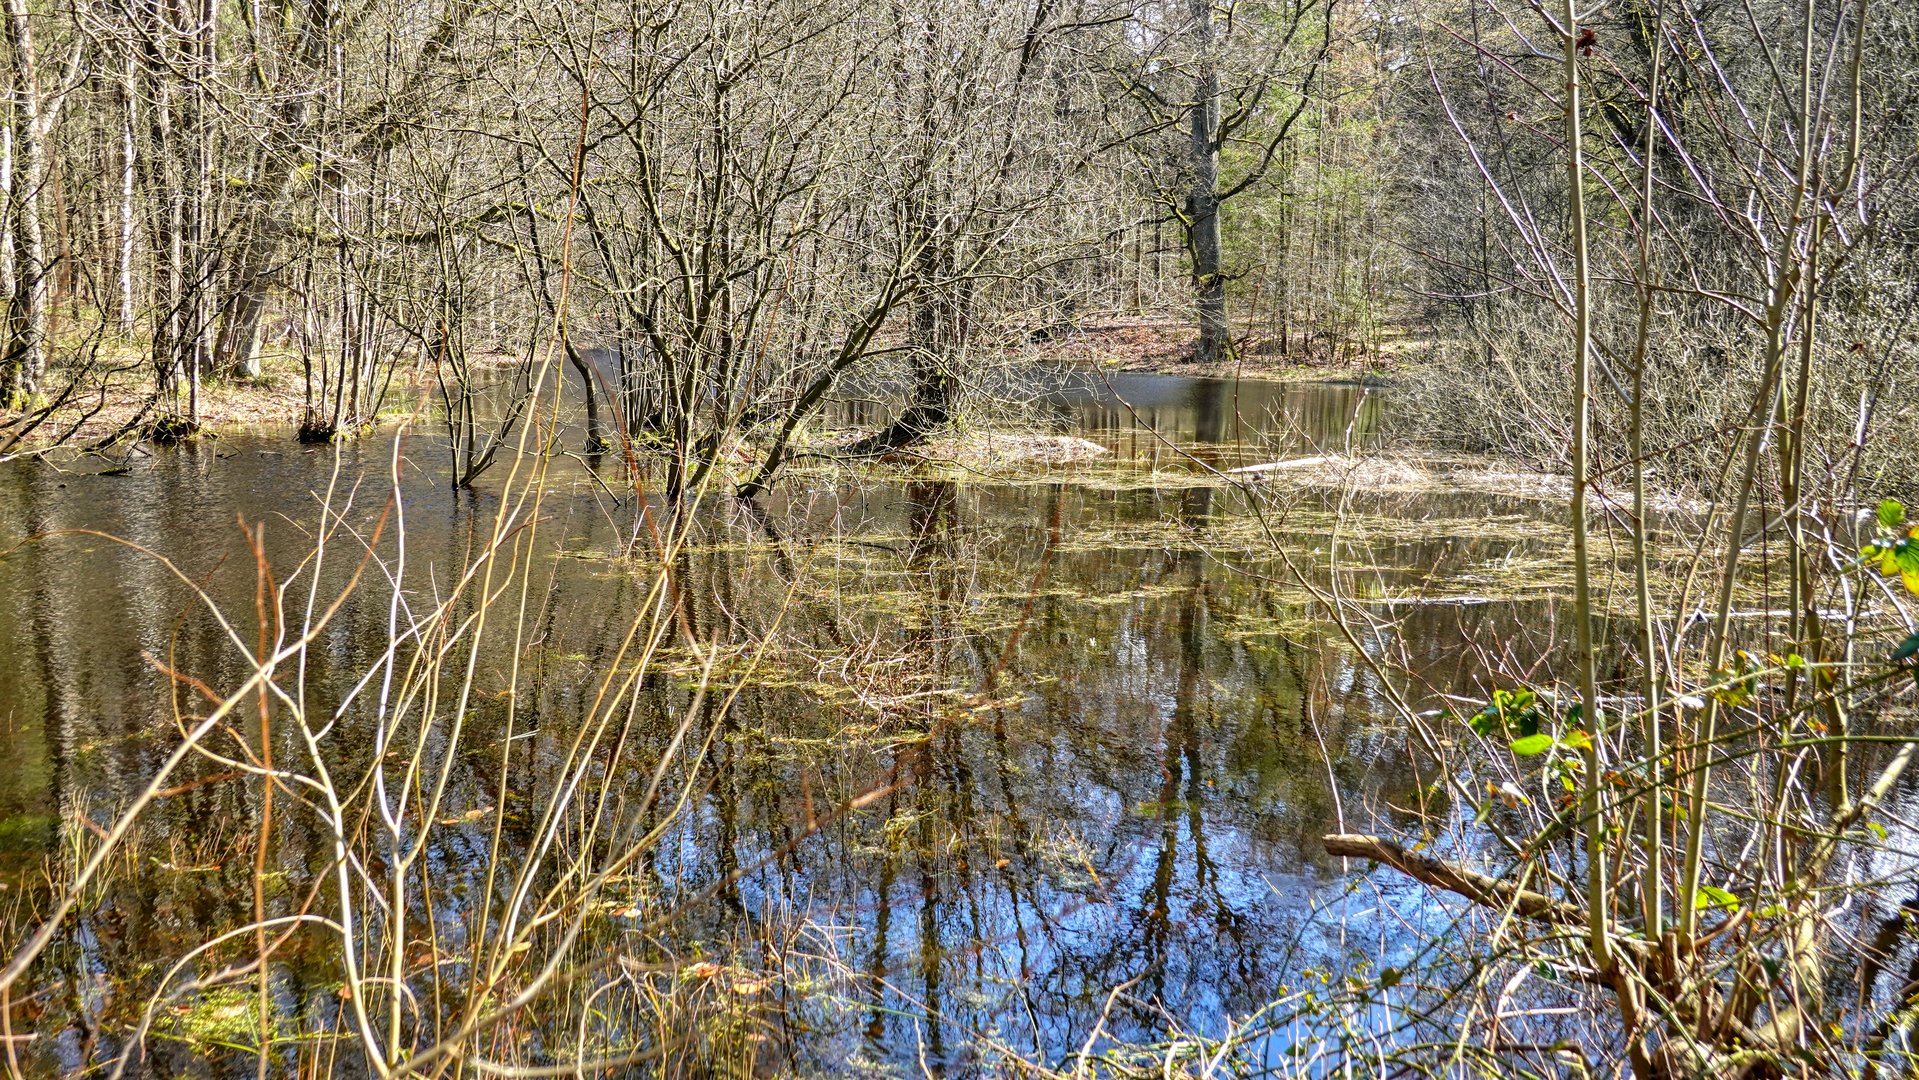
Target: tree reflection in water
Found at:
1096, 721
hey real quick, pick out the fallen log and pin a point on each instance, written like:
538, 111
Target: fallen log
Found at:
1279, 466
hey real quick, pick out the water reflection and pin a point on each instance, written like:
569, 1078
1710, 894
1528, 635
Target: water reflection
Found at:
1108, 738
1136, 413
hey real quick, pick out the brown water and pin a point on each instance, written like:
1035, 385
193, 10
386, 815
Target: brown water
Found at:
1180, 727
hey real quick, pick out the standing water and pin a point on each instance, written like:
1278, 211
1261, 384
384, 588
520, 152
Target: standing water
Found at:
1082, 734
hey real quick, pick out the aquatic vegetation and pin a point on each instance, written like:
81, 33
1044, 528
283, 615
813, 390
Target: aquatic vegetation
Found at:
806, 790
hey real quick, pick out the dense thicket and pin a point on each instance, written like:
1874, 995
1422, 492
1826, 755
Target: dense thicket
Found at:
1671, 243
1700, 289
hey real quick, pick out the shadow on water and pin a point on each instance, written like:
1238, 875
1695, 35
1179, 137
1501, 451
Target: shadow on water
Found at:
1169, 729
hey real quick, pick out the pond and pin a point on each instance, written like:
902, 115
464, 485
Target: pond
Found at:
1169, 727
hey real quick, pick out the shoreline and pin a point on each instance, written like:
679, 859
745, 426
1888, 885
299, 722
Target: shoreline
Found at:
107, 414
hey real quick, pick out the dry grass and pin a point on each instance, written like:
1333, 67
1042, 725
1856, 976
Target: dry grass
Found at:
114, 398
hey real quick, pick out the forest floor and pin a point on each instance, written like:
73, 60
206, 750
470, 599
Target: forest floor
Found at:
112, 401
1164, 346
102, 403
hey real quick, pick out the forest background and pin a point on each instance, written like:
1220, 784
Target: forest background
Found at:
1662, 250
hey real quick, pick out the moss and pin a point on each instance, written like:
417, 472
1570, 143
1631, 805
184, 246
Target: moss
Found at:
25, 832
172, 430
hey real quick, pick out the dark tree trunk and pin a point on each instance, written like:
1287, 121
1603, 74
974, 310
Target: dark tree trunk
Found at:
1202, 202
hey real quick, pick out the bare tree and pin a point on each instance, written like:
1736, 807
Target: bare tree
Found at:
1216, 92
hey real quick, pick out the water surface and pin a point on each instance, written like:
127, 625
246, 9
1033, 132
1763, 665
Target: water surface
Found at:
1176, 726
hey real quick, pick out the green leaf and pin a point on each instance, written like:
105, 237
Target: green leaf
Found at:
1576, 739
1531, 745
1735, 694
1906, 555
1388, 978
1712, 896
1891, 513
1509, 713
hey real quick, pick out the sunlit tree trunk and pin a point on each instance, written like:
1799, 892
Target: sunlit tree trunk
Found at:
127, 223
9, 275
24, 366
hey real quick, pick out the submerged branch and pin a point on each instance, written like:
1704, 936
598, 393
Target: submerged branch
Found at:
1480, 888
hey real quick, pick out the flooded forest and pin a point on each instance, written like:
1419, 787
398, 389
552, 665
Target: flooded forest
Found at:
1053, 539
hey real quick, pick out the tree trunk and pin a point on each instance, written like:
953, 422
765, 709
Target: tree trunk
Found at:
939, 330
9, 256
163, 181
243, 312
127, 223
596, 436
1202, 202
24, 366
200, 230
237, 351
